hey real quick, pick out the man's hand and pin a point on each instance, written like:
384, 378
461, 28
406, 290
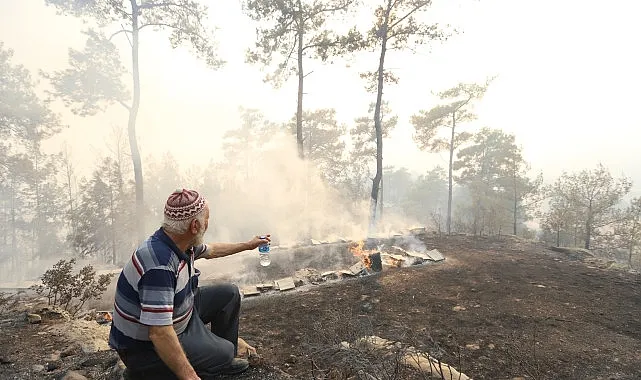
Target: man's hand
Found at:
245, 350
168, 347
257, 240
216, 250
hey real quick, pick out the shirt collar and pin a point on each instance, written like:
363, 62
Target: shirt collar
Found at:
161, 235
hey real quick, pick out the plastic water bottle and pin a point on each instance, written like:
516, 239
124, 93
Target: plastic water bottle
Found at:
263, 253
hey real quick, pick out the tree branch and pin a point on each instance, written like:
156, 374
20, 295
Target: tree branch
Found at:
408, 14
164, 4
118, 32
124, 105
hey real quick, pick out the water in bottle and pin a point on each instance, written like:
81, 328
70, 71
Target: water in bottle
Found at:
263, 253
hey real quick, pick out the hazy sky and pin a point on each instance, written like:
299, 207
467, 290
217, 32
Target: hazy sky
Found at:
567, 86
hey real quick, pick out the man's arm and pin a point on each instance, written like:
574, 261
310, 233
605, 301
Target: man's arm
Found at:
171, 352
215, 250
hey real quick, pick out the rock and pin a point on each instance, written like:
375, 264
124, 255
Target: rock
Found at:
74, 375
74, 349
38, 368
53, 313
33, 318
118, 369
52, 366
5, 360
91, 362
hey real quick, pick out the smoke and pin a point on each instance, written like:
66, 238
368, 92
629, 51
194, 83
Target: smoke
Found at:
272, 191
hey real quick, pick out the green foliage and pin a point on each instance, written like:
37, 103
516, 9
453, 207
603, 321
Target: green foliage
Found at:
291, 29
456, 109
492, 168
363, 133
323, 140
94, 80
581, 203
427, 197
104, 214
184, 19
68, 290
397, 26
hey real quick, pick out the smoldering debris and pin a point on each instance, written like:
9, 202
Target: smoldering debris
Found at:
315, 264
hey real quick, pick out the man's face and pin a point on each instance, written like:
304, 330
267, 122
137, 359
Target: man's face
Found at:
200, 234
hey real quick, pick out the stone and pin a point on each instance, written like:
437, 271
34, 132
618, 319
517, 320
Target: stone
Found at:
357, 268
250, 291
74, 375
54, 313
285, 284
329, 275
50, 366
74, 349
5, 360
265, 286
435, 255
38, 368
34, 318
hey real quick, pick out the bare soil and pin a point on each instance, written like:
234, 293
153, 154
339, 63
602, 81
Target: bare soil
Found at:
494, 309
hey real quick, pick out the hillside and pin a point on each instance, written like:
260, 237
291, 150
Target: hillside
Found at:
494, 309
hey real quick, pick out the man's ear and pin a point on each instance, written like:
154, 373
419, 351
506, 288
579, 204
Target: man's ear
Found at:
193, 226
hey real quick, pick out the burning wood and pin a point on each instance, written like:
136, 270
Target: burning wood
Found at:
370, 258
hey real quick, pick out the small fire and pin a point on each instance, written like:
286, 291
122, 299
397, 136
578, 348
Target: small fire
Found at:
358, 251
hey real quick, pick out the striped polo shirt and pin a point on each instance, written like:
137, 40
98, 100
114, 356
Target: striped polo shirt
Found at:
155, 288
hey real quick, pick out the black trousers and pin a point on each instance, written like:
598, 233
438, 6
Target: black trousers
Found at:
207, 351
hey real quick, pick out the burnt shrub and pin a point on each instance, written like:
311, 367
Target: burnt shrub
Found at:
70, 290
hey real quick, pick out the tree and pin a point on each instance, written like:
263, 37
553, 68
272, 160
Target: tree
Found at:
94, 79
294, 30
323, 141
627, 229
426, 197
364, 138
27, 181
104, 215
593, 194
493, 170
242, 145
429, 124
396, 26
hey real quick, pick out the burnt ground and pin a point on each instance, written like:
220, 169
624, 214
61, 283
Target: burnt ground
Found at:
494, 309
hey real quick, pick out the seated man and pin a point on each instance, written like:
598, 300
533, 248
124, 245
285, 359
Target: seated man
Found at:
160, 312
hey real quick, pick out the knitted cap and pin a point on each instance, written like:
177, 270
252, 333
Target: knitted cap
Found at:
183, 204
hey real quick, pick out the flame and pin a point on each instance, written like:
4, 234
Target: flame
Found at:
358, 251
107, 317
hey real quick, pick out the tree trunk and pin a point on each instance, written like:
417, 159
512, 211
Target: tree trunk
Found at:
131, 129
301, 77
112, 217
558, 237
515, 201
378, 127
449, 178
72, 216
588, 227
380, 199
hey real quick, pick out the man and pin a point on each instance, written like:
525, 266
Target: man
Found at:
160, 312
